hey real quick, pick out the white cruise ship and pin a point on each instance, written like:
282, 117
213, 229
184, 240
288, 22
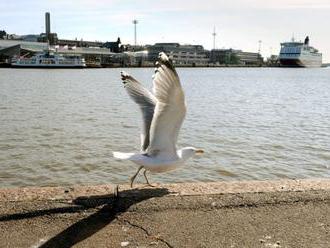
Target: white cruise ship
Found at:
49, 59
299, 54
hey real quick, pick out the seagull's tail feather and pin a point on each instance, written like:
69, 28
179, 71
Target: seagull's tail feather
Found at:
123, 155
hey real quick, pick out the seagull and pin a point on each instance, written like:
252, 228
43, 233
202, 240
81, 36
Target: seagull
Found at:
163, 112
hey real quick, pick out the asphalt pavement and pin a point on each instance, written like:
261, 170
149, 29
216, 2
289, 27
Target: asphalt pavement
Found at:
286, 213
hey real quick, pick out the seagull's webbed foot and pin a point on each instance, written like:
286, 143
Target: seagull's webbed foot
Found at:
133, 177
145, 176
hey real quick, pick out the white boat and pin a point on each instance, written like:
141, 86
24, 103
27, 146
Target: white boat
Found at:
50, 59
299, 54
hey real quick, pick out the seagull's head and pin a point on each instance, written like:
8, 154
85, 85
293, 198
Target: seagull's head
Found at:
189, 152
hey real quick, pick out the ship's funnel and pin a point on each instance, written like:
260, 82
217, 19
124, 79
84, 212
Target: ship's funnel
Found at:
306, 40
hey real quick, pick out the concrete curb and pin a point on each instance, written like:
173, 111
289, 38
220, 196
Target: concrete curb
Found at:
211, 188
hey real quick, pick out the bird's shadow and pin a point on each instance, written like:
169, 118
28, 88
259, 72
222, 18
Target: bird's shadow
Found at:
110, 208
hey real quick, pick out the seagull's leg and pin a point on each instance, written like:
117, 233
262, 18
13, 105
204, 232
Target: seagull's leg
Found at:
145, 176
133, 177
116, 192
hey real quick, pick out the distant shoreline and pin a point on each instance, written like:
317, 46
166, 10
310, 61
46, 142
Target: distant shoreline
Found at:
152, 66
144, 66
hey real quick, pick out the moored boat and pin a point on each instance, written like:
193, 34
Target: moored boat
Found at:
299, 54
50, 59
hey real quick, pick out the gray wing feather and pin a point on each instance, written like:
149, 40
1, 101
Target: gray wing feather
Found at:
146, 102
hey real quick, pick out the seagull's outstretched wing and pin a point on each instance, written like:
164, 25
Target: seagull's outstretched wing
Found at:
169, 112
145, 100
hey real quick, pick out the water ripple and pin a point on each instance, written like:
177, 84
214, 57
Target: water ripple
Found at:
60, 127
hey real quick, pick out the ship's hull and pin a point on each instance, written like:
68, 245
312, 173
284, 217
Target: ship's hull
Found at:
299, 63
290, 63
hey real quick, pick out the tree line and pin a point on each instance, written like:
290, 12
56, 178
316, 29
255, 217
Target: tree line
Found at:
3, 34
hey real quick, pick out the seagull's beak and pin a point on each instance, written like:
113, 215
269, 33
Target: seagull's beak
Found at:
199, 151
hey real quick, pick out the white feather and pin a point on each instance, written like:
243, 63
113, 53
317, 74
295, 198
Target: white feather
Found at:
123, 155
169, 112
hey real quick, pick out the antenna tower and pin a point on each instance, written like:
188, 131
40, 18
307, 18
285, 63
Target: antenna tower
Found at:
214, 34
135, 22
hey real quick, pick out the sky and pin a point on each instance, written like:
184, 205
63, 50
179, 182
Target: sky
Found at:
239, 24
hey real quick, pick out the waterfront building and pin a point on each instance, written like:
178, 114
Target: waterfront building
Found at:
133, 48
79, 43
138, 59
10, 49
94, 56
25, 45
114, 47
235, 57
181, 55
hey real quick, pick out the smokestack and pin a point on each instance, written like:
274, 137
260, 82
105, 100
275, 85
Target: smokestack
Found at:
47, 16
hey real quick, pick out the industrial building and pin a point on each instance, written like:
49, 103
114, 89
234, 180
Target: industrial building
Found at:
49, 37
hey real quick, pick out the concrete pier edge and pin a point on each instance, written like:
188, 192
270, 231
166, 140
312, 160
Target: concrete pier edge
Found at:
183, 189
